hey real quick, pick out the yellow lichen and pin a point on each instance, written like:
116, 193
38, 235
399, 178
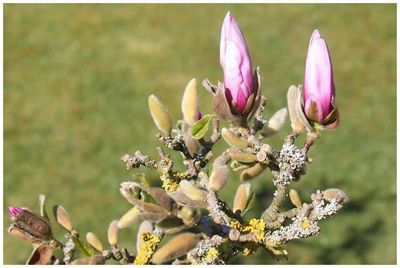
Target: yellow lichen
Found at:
171, 179
147, 249
211, 254
235, 224
256, 226
181, 176
305, 224
249, 248
169, 185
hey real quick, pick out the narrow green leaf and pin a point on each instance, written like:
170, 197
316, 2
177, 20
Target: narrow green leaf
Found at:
85, 248
42, 203
199, 128
141, 178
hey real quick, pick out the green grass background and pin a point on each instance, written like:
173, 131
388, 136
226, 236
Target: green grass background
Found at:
76, 81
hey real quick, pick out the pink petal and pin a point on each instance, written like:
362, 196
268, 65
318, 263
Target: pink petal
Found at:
14, 211
241, 101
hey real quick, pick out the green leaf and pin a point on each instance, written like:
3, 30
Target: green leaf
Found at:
141, 178
237, 166
250, 202
145, 197
199, 128
42, 203
142, 195
85, 248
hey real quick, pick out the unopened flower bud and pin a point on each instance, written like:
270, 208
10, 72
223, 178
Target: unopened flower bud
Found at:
190, 215
232, 139
94, 241
191, 191
219, 173
128, 218
175, 248
252, 172
275, 123
14, 211
160, 115
335, 194
62, 218
243, 157
112, 233
144, 227
190, 103
236, 63
242, 195
319, 87
295, 198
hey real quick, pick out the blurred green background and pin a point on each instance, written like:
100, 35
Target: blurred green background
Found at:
76, 81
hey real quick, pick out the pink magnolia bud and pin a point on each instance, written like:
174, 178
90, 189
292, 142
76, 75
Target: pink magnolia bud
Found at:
236, 63
319, 88
14, 211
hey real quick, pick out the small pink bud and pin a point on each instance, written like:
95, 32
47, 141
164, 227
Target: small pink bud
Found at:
14, 211
236, 63
198, 116
319, 88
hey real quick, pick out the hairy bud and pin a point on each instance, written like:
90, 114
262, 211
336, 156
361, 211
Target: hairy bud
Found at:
295, 198
175, 248
242, 196
190, 103
62, 218
144, 227
335, 194
275, 123
191, 191
252, 172
94, 241
219, 174
129, 218
112, 233
161, 117
242, 157
232, 139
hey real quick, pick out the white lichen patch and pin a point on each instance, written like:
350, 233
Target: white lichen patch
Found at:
322, 210
301, 227
291, 161
207, 252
